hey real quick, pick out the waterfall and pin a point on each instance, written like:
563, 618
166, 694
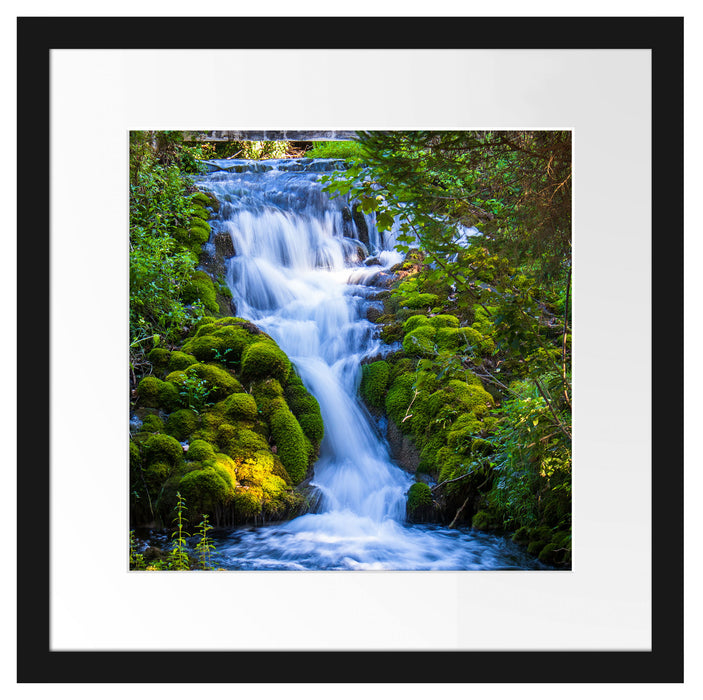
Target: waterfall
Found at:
303, 273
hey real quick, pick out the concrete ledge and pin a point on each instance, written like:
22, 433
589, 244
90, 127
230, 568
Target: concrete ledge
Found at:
268, 135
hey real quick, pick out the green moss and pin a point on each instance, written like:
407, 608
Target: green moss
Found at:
374, 381
204, 348
219, 383
181, 424
240, 407
419, 501
248, 502
290, 441
420, 301
548, 554
200, 287
148, 390
450, 338
521, 535
420, 342
534, 548
399, 397
159, 358
265, 359
200, 211
312, 426
180, 360
483, 520
169, 398
444, 321
154, 393
156, 474
241, 443
415, 321
199, 450
391, 332
135, 456
152, 424
200, 198
206, 489
163, 448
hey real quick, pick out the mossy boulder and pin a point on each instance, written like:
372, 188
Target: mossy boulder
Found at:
265, 359
485, 520
182, 423
180, 360
155, 393
293, 448
399, 397
199, 451
152, 424
374, 382
239, 407
201, 287
163, 448
306, 409
419, 502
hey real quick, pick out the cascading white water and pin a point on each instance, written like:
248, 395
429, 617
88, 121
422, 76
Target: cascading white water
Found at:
299, 274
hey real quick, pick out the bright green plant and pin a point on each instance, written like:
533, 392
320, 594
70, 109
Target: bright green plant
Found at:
205, 547
136, 559
178, 558
335, 149
195, 392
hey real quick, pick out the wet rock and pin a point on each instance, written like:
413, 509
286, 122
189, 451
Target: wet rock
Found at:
361, 226
372, 261
224, 247
373, 314
403, 450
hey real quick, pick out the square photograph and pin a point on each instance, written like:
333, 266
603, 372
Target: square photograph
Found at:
350, 350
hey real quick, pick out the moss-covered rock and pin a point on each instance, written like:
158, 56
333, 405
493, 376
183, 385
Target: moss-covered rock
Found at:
291, 443
399, 397
181, 424
148, 391
163, 448
420, 342
419, 502
240, 406
159, 357
201, 287
484, 520
199, 451
180, 360
152, 424
265, 359
374, 382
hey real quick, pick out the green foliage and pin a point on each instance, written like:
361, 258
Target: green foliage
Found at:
533, 458
205, 546
179, 559
335, 149
136, 559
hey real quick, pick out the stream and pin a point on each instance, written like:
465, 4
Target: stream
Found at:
306, 271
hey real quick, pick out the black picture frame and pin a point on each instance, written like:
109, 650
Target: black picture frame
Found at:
663, 36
